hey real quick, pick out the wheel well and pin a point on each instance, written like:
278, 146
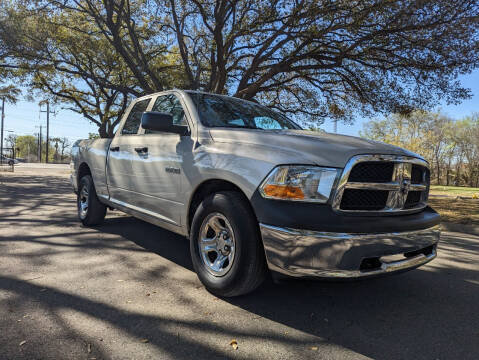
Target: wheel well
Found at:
83, 170
210, 187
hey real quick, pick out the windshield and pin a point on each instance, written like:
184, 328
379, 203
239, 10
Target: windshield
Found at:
221, 111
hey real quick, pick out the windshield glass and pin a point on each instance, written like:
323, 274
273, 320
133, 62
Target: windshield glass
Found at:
221, 111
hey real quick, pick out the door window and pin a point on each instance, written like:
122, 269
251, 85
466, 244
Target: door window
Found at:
132, 123
169, 104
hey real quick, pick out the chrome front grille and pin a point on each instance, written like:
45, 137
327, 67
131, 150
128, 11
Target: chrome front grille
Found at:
382, 183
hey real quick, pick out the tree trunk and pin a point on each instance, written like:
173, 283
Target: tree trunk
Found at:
102, 130
438, 172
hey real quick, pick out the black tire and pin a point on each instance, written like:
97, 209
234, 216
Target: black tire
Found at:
10, 163
248, 269
96, 211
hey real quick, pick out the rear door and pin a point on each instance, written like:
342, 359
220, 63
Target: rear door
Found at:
119, 165
158, 173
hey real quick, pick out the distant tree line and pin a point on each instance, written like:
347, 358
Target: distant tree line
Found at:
27, 148
450, 146
313, 59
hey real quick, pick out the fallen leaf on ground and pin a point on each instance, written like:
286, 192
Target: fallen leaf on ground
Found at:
42, 290
147, 294
234, 344
22, 343
144, 341
119, 280
314, 348
89, 348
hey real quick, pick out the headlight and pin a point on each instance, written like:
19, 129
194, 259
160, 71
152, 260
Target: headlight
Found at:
299, 183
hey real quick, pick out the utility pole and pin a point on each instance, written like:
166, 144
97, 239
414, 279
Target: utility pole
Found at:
335, 126
39, 154
1, 135
48, 127
40, 144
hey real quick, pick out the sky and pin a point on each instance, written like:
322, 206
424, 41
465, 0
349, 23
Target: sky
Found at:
24, 118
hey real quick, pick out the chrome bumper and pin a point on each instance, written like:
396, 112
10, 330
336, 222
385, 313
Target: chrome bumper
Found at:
302, 253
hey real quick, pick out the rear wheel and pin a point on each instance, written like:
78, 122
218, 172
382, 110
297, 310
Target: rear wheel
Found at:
225, 245
90, 210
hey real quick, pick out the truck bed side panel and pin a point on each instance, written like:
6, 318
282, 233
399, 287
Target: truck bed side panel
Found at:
94, 154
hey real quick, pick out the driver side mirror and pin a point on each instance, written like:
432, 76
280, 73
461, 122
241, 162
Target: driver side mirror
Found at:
157, 121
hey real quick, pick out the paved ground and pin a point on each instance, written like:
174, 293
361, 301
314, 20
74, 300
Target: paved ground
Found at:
72, 292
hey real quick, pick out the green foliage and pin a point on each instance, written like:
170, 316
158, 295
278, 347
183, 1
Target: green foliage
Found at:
313, 59
27, 147
93, 136
10, 93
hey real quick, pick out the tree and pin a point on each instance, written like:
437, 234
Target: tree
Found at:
73, 69
64, 145
56, 154
27, 147
11, 140
93, 136
467, 136
436, 138
10, 93
313, 59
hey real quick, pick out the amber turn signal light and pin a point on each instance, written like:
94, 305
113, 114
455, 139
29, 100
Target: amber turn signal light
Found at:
283, 191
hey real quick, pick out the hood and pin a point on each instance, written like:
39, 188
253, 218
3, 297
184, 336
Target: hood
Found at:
306, 147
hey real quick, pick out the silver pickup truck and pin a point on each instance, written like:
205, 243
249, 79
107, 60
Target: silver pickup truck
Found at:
254, 192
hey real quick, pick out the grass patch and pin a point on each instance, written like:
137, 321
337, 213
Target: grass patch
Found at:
457, 211
453, 190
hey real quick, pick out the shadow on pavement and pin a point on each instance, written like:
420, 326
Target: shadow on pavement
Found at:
427, 313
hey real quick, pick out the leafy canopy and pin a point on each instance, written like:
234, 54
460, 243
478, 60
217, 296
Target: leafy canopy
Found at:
313, 59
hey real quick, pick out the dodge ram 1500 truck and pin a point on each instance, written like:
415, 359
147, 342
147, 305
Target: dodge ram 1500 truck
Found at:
254, 192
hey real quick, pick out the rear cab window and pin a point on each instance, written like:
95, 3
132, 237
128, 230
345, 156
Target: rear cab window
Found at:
169, 104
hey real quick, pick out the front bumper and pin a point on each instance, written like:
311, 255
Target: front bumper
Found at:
304, 253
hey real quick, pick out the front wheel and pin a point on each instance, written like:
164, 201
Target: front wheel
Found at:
225, 244
90, 210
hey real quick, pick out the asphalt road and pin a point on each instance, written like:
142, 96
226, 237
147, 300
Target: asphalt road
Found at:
126, 290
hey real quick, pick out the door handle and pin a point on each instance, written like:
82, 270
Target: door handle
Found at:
141, 150
115, 148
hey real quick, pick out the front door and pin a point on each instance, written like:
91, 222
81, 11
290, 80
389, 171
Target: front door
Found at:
157, 167
119, 168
